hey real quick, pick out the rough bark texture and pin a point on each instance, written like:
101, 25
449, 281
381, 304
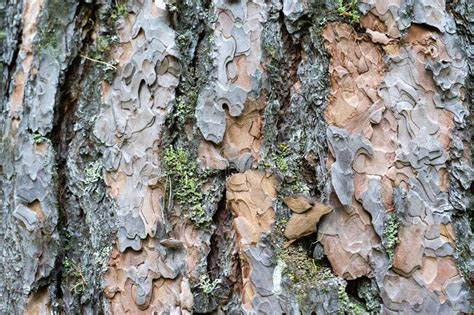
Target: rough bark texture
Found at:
244, 156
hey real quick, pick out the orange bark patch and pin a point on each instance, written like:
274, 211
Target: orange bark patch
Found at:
356, 71
250, 196
39, 303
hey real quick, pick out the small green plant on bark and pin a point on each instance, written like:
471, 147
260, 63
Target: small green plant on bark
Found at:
368, 292
182, 171
301, 268
303, 272
348, 9
183, 41
279, 159
74, 272
347, 305
106, 66
101, 56
272, 52
103, 42
38, 138
199, 216
184, 109
120, 11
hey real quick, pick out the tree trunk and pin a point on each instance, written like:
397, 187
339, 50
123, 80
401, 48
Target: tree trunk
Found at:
236, 156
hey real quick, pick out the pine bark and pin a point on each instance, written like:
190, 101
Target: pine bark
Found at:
244, 156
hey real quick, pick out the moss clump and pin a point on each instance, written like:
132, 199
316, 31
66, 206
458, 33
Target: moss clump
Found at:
348, 10
183, 42
185, 183
348, 305
120, 11
302, 274
390, 234
301, 269
199, 216
369, 293
281, 160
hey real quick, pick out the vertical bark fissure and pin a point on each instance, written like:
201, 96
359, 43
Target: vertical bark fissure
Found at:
222, 250
61, 135
291, 58
12, 63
